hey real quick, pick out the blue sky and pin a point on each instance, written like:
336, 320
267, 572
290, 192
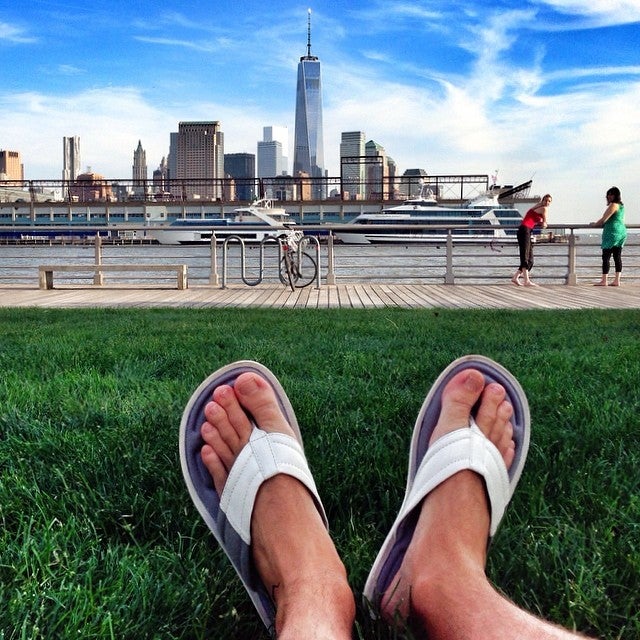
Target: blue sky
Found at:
544, 90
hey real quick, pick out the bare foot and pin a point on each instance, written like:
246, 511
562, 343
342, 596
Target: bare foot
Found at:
459, 504
602, 283
530, 283
441, 585
291, 547
516, 279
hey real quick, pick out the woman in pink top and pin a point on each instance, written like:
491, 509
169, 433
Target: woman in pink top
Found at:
536, 216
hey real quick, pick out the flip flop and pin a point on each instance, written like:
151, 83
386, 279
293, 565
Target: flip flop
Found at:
464, 448
228, 516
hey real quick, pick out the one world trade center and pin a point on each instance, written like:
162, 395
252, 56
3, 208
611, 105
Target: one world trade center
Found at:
309, 150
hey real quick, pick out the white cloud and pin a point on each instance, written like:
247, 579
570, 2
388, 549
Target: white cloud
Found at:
600, 12
110, 121
16, 35
207, 47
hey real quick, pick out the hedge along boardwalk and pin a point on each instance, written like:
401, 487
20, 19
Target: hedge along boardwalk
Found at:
354, 296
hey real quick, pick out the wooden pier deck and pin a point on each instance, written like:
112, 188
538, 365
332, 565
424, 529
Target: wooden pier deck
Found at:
350, 296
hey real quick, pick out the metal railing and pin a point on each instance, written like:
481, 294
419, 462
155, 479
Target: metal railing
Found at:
93, 188
573, 260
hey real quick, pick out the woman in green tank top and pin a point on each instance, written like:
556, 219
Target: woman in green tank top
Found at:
614, 233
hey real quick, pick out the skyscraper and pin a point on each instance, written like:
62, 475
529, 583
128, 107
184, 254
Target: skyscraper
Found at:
242, 167
352, 165
70, 158
200, 156
272, 160
308, 147
139, 163
11, 167
377, 172
139, 170
172, 160
160, 177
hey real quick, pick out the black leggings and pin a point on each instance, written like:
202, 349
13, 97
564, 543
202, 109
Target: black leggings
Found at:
526, 248
616, 252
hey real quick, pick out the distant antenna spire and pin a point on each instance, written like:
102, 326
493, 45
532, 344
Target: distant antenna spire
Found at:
309, 33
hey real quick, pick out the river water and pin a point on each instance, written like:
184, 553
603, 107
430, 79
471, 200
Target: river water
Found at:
470, 264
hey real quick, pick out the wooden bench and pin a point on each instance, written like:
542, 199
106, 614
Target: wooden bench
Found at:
45, 275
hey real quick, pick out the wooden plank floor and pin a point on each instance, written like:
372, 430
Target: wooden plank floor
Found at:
353, 296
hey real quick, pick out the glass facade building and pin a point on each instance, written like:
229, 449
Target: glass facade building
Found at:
308, 146
352, 167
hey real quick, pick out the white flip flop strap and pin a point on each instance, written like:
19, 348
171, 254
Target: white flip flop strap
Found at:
264, 456
466, 448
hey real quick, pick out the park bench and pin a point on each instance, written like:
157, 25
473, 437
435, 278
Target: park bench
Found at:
46, 271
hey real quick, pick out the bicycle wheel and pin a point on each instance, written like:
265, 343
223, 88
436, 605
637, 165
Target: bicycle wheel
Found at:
303, 270
286, 271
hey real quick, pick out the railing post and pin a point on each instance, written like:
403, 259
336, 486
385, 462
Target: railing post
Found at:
571, 275
214, 279
448, 277
331, 274
98, 276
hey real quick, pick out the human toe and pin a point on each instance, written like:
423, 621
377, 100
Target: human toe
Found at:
221, 441
494, 420
218, 470
493, 396
257, 397
459, 396
226, 413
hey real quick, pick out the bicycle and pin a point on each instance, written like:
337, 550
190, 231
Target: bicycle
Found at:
297, 268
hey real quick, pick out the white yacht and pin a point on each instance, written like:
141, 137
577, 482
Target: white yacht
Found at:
478, 220
252, 223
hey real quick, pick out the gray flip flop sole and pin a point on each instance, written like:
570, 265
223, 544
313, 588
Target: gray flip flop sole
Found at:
394, 548
200, 483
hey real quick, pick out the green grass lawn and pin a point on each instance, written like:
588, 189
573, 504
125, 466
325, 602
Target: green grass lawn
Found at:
98, 538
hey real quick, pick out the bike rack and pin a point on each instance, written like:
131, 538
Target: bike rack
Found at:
317, 249
265, 241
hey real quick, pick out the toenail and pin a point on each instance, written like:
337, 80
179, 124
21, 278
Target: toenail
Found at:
472, 382
249, 385
495, 388
222, 391
206, 429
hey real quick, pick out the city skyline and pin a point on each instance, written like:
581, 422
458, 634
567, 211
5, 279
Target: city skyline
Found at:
542, 90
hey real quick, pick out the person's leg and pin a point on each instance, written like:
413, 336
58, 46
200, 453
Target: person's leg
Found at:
617, 262
606, 265
441, 583
522, 253
527, 274
526, 255
292, 550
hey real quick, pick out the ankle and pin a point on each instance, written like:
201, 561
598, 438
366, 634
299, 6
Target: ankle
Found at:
446, 593
317, 606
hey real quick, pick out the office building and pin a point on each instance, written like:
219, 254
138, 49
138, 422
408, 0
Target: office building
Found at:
377, 188
308, 158
199, 152
352, 165
90, 187
139, 171
242, 168
172, 159
412, 181
11, 167
272, 150
160, 178
70, 158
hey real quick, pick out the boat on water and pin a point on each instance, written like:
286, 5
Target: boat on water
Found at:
482, 219
252, 223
